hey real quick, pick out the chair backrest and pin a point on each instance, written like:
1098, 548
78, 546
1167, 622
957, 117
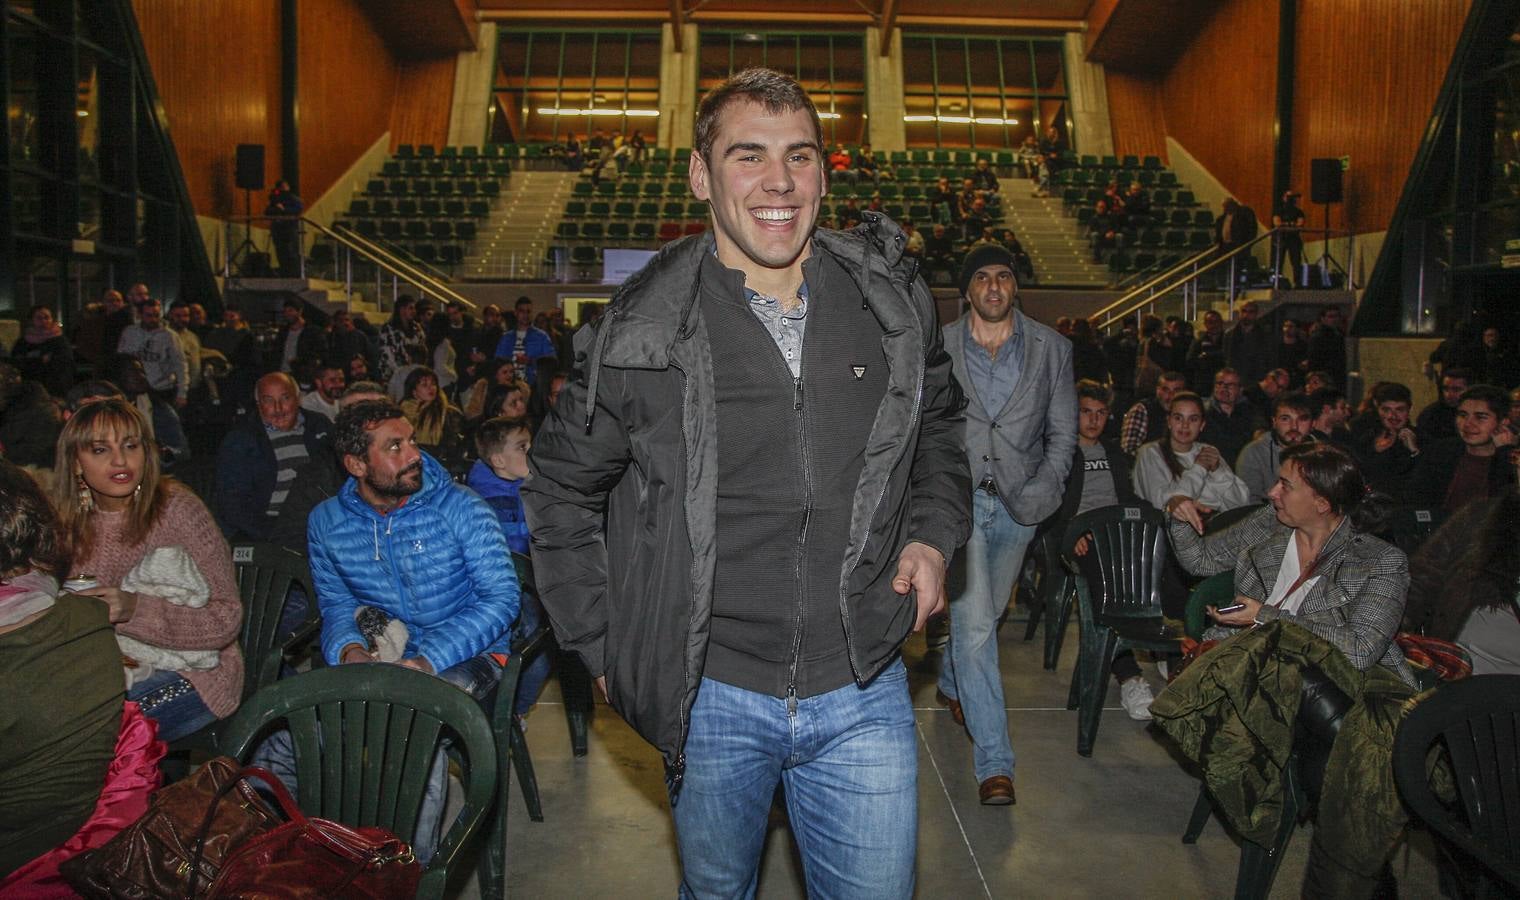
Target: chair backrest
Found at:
1475, 726
265, 574
365, 735
1128, 549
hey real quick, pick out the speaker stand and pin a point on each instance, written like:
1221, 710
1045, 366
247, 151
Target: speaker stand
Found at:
240, 254
1326, 259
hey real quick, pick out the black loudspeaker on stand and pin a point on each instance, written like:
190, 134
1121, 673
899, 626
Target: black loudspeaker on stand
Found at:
1326, 187
249, 176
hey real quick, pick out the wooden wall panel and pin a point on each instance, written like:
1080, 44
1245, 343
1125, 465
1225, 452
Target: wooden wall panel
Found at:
1366, 81
348, 82
1137, 114
217, 66
1219, 98
424, 96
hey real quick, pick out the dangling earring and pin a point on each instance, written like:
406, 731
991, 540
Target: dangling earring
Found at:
137, 492
86, 500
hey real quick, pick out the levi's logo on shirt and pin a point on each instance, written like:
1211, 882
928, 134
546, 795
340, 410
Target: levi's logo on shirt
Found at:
1095, 465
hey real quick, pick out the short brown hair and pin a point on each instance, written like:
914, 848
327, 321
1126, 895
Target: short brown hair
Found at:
28, 525
775, 91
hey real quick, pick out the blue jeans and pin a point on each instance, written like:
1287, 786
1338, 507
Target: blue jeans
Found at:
849, 765
530, 684
475, 676
168, 699
979, 581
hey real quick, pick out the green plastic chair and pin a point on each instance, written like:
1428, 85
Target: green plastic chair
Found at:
265, 574
365, 735
1129, 547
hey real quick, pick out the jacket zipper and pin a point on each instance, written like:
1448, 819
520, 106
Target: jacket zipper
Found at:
800, 573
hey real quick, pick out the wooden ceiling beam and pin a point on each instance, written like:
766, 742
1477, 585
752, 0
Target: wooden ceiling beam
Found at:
888, 22
675, 24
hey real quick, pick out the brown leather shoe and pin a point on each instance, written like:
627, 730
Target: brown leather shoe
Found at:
997, 791
953, 704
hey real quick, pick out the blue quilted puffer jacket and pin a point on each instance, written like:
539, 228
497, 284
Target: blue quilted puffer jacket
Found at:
438, 563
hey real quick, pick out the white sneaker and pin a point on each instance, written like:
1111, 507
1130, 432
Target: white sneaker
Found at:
1135, 695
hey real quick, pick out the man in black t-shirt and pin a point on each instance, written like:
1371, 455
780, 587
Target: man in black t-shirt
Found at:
1290, 243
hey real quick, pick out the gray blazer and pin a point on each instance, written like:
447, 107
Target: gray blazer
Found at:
1356, 604
1030, 441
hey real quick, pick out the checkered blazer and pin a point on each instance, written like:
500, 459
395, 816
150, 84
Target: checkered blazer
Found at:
1356, 604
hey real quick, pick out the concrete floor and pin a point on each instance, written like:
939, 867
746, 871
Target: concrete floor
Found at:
1107, 826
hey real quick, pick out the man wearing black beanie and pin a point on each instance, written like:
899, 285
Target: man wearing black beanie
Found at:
1021, 428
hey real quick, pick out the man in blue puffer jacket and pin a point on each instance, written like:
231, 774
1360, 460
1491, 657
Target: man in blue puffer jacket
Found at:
402, 538
405, 539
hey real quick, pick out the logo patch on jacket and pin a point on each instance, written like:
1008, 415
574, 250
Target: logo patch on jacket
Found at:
416, 546
860, 372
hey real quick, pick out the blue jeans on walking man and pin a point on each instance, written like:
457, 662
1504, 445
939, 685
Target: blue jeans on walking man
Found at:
979, 581
848, 762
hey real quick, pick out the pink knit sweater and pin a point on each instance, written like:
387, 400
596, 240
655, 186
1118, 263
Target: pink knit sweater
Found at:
187, 523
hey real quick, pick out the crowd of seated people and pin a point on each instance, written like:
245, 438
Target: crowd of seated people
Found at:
344, 422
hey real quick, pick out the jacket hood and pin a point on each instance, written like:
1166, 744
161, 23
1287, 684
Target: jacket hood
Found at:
485, 482
435, 478
656, 307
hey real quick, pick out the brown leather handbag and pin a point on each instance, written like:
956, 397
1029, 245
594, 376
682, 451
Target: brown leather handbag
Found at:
313, 858
152, 857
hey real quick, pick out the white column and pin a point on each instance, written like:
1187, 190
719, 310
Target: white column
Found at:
678, 86
473, 74
1088, 95
884, 92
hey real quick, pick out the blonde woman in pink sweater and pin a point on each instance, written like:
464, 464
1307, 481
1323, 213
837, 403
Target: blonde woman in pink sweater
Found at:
114, 506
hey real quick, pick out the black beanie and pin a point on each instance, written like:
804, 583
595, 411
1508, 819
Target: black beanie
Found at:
985, 255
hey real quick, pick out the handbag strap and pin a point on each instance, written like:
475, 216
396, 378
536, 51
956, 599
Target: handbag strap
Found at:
276, 787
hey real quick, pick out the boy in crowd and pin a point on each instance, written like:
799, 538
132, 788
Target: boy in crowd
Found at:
1100, 476
1292, 422
1473, 465
498, 473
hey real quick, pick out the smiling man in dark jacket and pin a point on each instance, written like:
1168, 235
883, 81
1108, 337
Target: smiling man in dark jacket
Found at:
257, 462
736, 528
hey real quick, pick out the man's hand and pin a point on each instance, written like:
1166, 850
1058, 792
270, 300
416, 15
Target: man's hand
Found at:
419, 663
921, 570
1407, 436
1080, 548
1186, 509
121, 605
601, 685
1208, 457
355, 653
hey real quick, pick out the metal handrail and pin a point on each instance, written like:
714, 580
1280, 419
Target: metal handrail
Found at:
386, 261
383, 248
1145, 295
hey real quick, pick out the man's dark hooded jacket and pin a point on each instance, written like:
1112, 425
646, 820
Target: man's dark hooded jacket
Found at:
622, 501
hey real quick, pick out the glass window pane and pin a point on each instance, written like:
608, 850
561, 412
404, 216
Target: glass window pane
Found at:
1049, 73
23, 113
26, 203
87, 111
1017, 76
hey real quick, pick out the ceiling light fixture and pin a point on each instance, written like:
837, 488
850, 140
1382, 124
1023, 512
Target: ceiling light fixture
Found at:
962, 120
600, 111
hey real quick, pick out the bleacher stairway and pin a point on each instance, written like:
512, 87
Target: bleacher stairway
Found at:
520, 229
1058, 250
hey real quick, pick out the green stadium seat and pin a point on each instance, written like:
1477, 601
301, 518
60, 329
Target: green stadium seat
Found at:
1110, 162
391, 168
628, 189
673, 209
696, 209
623, 209
367, 227
890, 192
634, 170
1118, 261
912, 192
453, 207
1167, 179
643, 231
465, 230
618, 231
479, 208
427, 253
1200, 240
468, 187
1161, 197
1185, 198
1146, 177
469, 152
1152, 162
1176, 240
429, 206
405, 151
592, 231
1180, 218
358, 207
648, 209
582, 189
415, 228
898, 157
918, 156
894, 211
434, 166
659, 169
456, 168
1151, 237
444, 186
385, 207
941, 157
680, 170
442, 229
607, 189
682, 154
1130, 161
426, 151
449, 152
918, 212
1203, 219
375, 186
661, 154
654, 189
501, 168
567, 231
583, 256
450, 254
390, 229
601, 209
575, 209
1084, 215
491, 188
1144, 261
